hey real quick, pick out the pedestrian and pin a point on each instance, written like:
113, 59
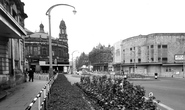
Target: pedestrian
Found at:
25, 74
31, 75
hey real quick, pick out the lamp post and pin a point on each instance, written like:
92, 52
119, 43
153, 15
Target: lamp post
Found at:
183, 64
73, 61
50, 46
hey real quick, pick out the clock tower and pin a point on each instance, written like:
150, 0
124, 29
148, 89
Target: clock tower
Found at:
63, 34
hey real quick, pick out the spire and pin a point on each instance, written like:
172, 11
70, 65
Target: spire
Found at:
62, 25
41, 28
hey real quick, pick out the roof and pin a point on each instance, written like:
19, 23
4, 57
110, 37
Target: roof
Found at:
40, 35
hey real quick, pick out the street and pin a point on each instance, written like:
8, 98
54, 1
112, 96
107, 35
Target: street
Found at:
170, 91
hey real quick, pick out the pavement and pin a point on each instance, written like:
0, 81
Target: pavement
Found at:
20, 96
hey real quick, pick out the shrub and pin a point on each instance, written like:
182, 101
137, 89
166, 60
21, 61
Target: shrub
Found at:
110, 94
65, 96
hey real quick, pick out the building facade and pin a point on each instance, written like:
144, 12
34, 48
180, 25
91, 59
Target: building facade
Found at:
37, 50
12, 35
149, 54
100, 58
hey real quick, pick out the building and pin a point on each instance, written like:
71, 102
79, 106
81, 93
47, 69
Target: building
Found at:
12, 34
100, 58
37, 50
160, 53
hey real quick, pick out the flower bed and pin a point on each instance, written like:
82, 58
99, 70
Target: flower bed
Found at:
65, 96
115, 94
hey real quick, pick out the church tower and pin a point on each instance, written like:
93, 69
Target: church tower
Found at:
63, 34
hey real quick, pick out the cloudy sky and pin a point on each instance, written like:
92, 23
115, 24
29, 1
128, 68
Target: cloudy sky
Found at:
106, 21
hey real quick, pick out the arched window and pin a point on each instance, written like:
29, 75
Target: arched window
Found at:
35, 51
44, 51
60, 53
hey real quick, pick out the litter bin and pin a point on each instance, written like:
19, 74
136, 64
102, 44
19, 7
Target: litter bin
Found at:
156, 75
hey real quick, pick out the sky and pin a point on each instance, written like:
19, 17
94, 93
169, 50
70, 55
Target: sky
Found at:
105, 21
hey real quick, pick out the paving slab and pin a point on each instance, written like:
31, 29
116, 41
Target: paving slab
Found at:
21, 96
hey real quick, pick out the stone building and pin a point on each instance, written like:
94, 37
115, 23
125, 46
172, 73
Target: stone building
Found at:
37, 50
160, 53
12, 34
100, 58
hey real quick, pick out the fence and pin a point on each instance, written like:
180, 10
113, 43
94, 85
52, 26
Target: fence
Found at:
45, 93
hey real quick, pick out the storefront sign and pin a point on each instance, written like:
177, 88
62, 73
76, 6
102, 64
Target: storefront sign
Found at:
179, 57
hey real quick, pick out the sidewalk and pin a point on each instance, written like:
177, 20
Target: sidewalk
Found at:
20, 97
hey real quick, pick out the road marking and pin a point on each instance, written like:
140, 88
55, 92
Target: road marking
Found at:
164, 106
160, 104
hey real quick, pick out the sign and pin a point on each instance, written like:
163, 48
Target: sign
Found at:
151, 94
42, 62
179, 57
65, 69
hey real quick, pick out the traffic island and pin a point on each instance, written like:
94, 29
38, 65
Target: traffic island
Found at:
115, 94
65, 96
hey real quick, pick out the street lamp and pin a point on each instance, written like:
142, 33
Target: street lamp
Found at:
183, 64
72, 60
50, 46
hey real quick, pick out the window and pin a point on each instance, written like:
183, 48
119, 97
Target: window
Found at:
152, 59
131, 60
35, 50
159, 46
38, 50
152, 46
60, 53
130, 49
164, 46
139, 60
31, 52
168, 69
164, 59
159, 59
44, 51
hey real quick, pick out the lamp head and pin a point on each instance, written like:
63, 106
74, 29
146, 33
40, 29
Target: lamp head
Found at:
74, 11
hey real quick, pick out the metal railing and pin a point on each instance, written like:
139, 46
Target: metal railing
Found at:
45, 91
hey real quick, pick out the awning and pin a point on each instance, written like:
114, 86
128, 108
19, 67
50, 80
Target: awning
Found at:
9, 27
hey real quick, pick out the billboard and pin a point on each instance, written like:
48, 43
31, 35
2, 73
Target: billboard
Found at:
179, 57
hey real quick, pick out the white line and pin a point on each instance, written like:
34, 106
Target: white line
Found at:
164, 106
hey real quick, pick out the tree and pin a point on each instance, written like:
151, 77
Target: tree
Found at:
83, 59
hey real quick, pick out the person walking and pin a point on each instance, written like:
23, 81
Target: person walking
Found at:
31, 75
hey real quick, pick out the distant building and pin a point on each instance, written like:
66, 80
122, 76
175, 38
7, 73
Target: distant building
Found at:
37, 50
100, 58
160, 53
12, 34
